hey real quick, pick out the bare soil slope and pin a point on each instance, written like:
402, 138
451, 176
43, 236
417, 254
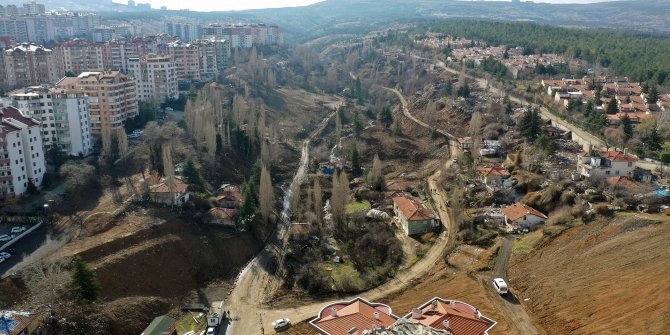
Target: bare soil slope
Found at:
607, 277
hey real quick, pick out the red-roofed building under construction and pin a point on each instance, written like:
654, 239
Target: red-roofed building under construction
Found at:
437, 316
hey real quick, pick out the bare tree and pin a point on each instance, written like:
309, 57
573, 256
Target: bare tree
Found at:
122, 141
265, 194
168, 169
338, 130
265, 153
340, 199
376, 176
475, 133
106, 138
317, 197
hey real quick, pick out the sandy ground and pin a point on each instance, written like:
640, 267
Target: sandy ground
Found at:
606, 277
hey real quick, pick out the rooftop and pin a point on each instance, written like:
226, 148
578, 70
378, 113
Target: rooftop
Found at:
339, 318
493, 171
519, 210
413, 209
461, 318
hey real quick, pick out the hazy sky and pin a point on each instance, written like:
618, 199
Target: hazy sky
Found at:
213, 5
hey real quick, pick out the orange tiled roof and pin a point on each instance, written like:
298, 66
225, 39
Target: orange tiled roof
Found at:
180, 186
519, 210
223, 213
493, 171
357, 313
617, 156
413, 209
462, 317
623, 181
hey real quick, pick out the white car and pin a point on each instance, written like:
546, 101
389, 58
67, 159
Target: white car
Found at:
5, 255
2, 259
211, 331
500, 285
18, 230
281, 324
5, 238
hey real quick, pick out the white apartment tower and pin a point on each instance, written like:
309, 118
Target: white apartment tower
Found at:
21, 154
64, 117
156, 78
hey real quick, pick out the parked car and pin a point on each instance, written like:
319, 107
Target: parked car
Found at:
281, 324
500, 285
18, 230
2, 259
211, 331
6, 255
5, 238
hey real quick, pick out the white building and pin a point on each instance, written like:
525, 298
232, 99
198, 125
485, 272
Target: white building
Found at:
156, 78
21, 153
65, 119
521, 216
606, 164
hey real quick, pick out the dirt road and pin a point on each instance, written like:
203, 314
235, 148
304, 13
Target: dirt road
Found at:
509, 304
405, 111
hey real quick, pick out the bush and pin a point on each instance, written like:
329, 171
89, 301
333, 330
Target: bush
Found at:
560, 216
603, 210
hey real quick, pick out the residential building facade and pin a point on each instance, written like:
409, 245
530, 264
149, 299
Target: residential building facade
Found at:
29, 64
522, 216
112, 97
65, 120
415, 218
156, 78
606, 164
77, 56
22, 158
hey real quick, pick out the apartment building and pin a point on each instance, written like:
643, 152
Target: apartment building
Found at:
14, 27
244, 36
156, 78
186, 31
29, 65
21, 154
42, 28
199, 60
65, 119
77, 56
113, 32
112, 97
187, 60
3, 74
116, 53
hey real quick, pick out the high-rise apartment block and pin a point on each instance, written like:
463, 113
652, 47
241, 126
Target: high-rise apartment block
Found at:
112, 97
21, 153
155, 76
29, 65
65, 120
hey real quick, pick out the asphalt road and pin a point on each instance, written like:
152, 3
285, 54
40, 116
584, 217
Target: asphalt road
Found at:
25, 247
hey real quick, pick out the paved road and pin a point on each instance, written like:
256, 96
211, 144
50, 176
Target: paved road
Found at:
24, 249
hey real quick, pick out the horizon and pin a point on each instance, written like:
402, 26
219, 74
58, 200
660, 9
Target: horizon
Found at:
206, 6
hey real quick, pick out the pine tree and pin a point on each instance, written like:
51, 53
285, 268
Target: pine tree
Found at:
627, 127
355, 160
190, 173
530, 124
385, 117
612, 107
654, 139
653, 95
358, 124
85, 285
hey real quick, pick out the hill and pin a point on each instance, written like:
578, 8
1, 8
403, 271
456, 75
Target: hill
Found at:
603, 277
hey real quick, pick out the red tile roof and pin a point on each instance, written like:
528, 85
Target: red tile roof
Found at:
413, 209
223, 213
493, 171
623, 181
519, 210
617, 156
464, 319
11, 112
358, 313
180, 187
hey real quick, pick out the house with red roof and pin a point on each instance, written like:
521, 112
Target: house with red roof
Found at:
415, 218
454, 317
163, 194
436, 316
353, 317
492, 176
606, 164
522, 216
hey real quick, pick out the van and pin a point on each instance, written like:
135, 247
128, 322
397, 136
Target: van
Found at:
500, 285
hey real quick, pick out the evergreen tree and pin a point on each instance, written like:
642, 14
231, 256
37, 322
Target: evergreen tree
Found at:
385, 117
588, 109
530, 125
358, 124
653, 95
190, 173
248, 208
85, 285
508, 109
654, 139
355, 160
612, 107
627, 127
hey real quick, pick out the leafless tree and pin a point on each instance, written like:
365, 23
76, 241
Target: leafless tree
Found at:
339, 200
106, 138
317, 197
122, 141
265, 194
168, 169
376, 176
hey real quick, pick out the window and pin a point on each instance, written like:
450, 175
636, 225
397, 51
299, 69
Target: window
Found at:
607, 172
630, 164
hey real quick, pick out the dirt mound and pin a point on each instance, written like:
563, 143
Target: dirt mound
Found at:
604, 277
132, 315
168, 260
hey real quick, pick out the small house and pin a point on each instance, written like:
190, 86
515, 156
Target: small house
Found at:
215, 314
521, 216
161, 194
162, 325
493, 176
15, 323
553, 132
299, 231
222, 217
466, 143
228, 196
413, 215
643, 175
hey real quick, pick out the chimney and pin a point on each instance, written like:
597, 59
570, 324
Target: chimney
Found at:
452, 304
333, 312
445, 323
478, 314
375, 315
416, 313
433, 304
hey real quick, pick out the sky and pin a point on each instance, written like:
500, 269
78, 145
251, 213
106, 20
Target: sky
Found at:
221, 5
